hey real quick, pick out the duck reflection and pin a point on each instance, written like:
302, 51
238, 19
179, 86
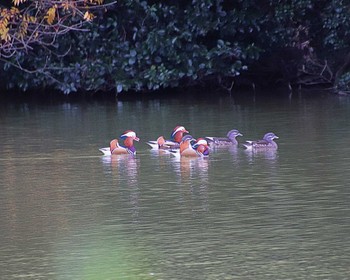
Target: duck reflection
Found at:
270, 156
191, 168
193, 181
233, 150
266, 160
125, 171
125, 166
159, 152
223, 149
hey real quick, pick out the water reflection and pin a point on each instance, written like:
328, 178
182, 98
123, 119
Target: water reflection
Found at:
188, 168
125, 166
232, 149
124, 170
67, 213
270, 156
155, 153
193, 181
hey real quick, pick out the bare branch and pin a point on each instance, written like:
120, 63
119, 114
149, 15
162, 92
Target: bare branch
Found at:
41, 22
315, 73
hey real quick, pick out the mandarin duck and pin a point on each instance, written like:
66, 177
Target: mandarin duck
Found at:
190, 147
174, 143
128, 147
162, 144
227, 141
178, 134
266, 143
201, 147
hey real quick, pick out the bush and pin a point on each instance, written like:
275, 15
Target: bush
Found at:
148, 45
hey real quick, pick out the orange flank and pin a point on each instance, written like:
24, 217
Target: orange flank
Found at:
116, 149
186, 149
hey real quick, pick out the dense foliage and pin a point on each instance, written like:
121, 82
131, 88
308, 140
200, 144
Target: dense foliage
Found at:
147, 45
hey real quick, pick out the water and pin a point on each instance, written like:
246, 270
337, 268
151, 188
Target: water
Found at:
66, 212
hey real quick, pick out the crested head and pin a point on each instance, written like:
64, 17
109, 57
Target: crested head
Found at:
233, 133
187, 137
202, 150
178, 129
177, 133
129, 134
200, 141
201, 147
270, 136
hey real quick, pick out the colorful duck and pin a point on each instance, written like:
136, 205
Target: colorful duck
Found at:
229, 140
201, 147
178, 134
190, 147
174, 143
162, 144
266, 143
115, 148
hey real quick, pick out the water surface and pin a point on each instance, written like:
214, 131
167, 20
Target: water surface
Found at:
66, 212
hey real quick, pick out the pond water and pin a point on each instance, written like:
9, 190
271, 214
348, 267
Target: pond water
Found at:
67, 212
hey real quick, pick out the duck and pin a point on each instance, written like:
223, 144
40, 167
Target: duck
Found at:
229, 140
162, 144
115, 148
202, 148
190, 147
178, 133
266, 143
176, 137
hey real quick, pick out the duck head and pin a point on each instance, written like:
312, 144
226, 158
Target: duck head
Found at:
189, 138
129, 142
177, 133
200, 141
233, 134
129, 134
270, 136
201, 146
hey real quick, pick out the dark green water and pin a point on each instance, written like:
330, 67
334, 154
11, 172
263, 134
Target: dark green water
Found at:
66, 212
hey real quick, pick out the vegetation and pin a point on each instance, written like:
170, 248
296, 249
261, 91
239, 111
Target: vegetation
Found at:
146, 45
30, 22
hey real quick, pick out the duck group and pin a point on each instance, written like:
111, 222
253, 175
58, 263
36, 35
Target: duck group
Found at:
182, 144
